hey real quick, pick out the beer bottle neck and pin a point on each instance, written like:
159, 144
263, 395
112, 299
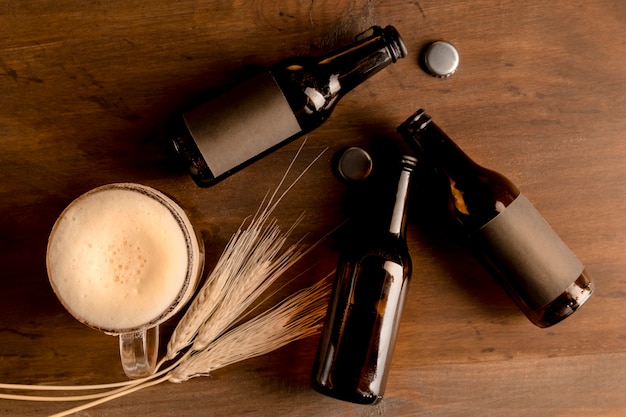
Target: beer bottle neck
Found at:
427, 139
397, 225
477, 193
374, 50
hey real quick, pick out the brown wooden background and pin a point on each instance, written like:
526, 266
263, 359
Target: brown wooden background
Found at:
86, 88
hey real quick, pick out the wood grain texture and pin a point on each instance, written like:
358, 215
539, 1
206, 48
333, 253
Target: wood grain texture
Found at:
87, 88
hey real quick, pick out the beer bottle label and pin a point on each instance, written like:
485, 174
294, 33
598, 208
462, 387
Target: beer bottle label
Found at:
242, 123
530, 256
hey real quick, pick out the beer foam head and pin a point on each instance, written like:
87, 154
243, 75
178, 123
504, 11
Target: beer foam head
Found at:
118, 258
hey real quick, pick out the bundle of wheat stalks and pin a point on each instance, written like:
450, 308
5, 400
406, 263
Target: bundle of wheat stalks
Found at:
208, 336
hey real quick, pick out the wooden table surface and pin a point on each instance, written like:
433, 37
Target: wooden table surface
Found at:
87, 87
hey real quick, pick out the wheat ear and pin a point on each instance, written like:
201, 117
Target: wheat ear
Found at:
206, 300
296, 317
237, 264
264, 264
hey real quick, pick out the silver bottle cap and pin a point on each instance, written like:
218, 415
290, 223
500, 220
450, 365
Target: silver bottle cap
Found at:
441, 59
355, 164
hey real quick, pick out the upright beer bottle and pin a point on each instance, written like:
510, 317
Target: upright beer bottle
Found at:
292, 98
540, 273
370, 288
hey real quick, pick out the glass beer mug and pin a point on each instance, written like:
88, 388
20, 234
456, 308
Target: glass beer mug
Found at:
123, 258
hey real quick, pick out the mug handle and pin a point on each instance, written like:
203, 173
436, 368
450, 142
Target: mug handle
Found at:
139, 351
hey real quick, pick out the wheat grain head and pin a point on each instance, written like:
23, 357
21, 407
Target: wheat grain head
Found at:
297, 317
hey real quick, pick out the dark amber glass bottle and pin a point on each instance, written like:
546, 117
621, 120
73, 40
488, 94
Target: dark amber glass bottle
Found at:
540, 273
369, 292
292, 98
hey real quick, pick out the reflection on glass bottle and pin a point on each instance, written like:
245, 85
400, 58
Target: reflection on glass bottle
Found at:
369, 292
533, 265
292, 98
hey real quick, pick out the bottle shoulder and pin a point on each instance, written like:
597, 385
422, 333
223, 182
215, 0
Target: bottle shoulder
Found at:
478, 197
312, 94
379, 249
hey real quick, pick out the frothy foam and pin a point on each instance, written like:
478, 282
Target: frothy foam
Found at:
117, 259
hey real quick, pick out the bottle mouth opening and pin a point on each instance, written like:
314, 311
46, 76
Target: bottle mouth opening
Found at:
397, 48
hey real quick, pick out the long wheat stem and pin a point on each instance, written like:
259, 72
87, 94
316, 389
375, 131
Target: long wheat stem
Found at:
111, 397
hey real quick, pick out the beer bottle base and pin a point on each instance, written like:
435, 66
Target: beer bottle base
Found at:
348, 395
565, 304
190, 155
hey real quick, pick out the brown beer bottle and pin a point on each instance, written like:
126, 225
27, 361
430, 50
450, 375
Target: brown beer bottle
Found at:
370, 287
540, 273
290, 99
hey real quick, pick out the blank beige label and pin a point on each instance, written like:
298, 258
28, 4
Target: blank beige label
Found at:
528, 253
242, 123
